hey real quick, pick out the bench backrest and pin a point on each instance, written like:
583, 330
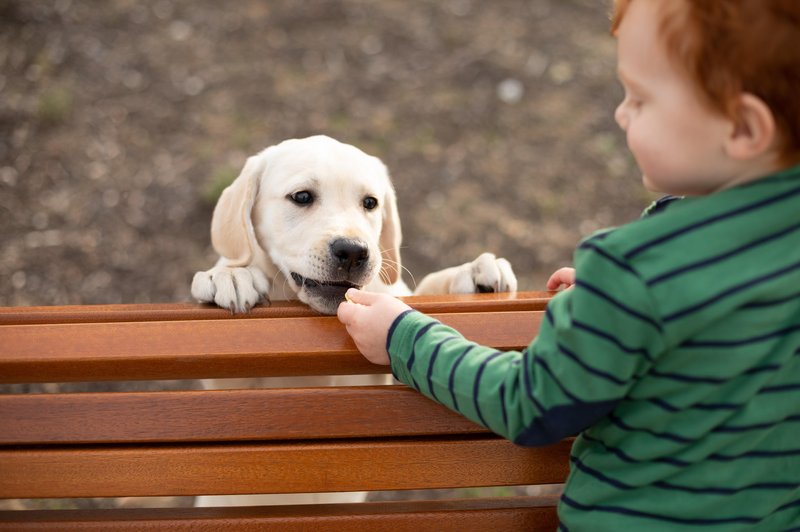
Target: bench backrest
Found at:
183, 443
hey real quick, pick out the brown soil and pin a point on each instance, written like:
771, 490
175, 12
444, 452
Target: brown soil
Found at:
119, 119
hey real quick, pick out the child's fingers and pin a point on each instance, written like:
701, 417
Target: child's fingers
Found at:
563, 276
361, 297
345, 312
554, 282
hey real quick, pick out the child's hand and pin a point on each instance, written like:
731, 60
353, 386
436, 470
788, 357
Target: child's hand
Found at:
368, 317
565, 277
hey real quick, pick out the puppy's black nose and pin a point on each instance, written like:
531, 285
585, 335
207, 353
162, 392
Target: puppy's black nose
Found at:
349, 254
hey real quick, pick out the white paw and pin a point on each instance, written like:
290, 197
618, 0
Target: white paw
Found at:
236, 289
487, 273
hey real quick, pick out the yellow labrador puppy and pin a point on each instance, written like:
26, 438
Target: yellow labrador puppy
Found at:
307, 219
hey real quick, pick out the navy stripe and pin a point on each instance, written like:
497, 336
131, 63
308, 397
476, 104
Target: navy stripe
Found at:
570, 395
625, 457
627, 511
624, 308
394, 325
526, 356
617, 421
679, 377
603, 253
733, 290
729, 491
718, 258
528, 386
605, 479
773, 302
664, 405
780, 388
717, 457
432, 361
596, 372
602, 334
413, 356
714, 219
754, 454
503, 405
451, 381
676, 487
756, 426
476, 386
688, 378
699, 406
788, 505
721, 380
743, 341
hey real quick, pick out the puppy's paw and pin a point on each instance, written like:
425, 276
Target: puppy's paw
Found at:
487, 273
236, 289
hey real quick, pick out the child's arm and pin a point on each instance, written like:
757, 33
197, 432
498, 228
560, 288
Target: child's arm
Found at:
591, 346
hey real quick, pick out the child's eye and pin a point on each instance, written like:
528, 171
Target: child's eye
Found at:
633, 101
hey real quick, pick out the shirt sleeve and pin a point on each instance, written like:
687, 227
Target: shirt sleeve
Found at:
596, 339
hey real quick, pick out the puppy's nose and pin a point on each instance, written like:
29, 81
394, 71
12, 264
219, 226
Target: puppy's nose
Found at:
349, 254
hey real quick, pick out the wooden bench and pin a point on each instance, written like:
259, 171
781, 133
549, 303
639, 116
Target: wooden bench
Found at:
192, 442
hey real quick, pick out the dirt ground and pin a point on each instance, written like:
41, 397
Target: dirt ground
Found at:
121, 120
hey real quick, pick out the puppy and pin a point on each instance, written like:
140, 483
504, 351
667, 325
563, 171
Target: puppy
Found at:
307, 219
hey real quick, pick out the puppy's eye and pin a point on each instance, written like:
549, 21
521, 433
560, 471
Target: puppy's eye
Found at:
303, 197
370, 203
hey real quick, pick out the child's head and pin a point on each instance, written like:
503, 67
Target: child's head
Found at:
732, 64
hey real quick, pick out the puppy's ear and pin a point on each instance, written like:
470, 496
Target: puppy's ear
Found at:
232, 233
390, 239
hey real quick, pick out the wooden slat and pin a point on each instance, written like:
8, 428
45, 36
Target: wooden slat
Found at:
279, 309
232, 415
276, 468
465, 515
216, 348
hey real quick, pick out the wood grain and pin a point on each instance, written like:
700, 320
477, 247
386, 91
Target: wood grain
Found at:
354, 465
152, 350
225, 415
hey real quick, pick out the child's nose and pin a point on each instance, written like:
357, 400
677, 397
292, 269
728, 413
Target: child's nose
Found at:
621, 116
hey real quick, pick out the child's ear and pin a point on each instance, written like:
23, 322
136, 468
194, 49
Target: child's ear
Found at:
754, 128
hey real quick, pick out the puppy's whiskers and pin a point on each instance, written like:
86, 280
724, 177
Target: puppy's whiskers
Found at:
396, 265
283, 288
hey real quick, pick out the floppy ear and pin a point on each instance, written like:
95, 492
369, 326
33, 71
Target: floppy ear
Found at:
232, 233
390, 239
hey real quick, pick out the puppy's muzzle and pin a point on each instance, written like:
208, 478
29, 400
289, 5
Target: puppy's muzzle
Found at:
350, 256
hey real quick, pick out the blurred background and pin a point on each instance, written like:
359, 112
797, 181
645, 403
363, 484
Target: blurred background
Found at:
122, 120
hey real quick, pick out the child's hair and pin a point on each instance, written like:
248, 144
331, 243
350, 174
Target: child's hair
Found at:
733, 46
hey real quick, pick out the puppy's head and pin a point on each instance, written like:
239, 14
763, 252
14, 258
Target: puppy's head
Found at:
324, 213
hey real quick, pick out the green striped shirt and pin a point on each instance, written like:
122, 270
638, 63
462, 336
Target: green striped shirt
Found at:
675, 358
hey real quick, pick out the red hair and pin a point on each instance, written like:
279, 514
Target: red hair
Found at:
734, 46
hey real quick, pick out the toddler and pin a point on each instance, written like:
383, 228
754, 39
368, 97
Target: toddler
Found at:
675, 354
